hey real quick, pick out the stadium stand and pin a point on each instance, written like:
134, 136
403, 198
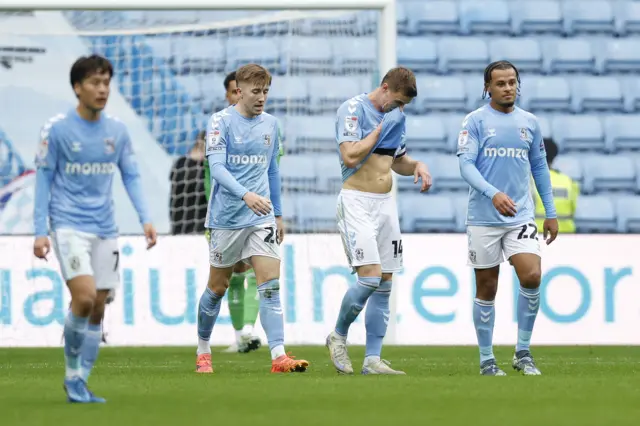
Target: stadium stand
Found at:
579, 62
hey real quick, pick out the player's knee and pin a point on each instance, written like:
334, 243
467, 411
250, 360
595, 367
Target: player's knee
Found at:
83, 303
486, 288
369, 271
531, 278
387, 277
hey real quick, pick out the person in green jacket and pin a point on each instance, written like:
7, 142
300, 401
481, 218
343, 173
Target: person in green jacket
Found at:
244, 303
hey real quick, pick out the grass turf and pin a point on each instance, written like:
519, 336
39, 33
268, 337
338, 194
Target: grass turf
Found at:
157, 386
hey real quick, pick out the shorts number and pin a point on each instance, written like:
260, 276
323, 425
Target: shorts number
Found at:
397, 247
270, 238
116, 253
525, 229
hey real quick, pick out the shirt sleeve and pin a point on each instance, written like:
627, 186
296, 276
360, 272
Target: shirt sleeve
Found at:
540, 172
274, 178
349, 122
468, 146
131, 179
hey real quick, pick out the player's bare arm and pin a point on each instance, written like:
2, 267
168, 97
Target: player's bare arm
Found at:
407, 166
354, 152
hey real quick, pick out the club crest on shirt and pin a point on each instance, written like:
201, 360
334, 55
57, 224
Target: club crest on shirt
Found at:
524, 134
267, 139
109, 145
351, 123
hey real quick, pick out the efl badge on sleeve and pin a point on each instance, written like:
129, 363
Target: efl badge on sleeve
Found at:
351, 123
214, 140
463, 137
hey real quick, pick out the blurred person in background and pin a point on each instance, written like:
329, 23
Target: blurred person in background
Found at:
188, 204
565, 194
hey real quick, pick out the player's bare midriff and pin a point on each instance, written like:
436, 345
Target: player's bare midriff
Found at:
374, 176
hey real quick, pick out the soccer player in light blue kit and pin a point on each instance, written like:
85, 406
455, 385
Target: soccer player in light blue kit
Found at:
499, 147
242, 150
78, 155
370, 132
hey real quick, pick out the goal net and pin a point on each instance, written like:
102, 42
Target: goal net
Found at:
170, 69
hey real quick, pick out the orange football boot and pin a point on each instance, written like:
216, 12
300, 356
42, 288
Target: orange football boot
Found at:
288, 364
203, 364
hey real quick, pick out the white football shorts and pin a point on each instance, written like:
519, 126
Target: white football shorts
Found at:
228, 246
80, 253
491, 245
370, 229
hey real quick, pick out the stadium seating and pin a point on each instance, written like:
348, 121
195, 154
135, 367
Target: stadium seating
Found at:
579, 65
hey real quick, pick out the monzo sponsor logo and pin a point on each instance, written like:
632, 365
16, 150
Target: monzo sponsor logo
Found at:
506, 152
90, 168
248, 159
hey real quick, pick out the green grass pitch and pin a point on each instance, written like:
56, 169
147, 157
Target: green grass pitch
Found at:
580, 386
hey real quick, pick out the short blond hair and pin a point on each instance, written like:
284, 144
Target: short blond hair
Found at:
254, 74
401, 79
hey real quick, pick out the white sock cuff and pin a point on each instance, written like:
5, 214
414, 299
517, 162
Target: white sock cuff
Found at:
483, 302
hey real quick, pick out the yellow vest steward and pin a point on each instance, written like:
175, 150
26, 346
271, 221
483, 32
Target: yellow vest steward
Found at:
565, 196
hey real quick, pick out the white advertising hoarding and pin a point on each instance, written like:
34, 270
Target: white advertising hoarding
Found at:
590, 294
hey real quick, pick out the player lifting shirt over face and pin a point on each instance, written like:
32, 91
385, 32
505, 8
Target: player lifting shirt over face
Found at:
370, 132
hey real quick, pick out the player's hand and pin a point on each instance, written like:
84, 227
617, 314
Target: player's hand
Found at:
280, 230
550, 227
422, 172
504, 204
150, 234
41, 247
260, 205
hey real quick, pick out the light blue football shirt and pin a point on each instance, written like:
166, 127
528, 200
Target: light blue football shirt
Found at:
242, 154
75, 164
506, 149
357, 118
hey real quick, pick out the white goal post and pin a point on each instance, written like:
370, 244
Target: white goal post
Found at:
387, 35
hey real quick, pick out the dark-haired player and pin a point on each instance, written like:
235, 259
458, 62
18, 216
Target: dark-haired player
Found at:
499, 147
370, 131
79, 153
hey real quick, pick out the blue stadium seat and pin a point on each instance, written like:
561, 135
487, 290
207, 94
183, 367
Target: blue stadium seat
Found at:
628, 210
445, 171
298, 173
435, 16
328, 93
631, 86
607, 173
474, 84
213, 92
597, 17
595, 214
570, 166
627, 17
524, 53
462, 54
441, 93
291, 215
596, 94
568, 55
417, 53
354, 54
453, 123
317, 212
531, 16
545, 93
545, 126
578, 133
426, 133
620, 55
427, 213
328, 172
260, 50
197, 54
402, 19
622, 133
308, 54
484, 16
288, 95
311, 133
